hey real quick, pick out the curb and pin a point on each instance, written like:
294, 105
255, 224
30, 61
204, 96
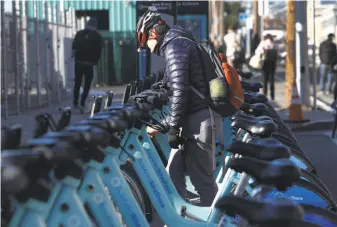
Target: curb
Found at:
312, 126
321, 104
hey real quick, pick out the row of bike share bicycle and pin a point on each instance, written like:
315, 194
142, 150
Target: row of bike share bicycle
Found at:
106, 170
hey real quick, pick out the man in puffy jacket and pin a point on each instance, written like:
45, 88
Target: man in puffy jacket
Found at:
189, 118
327, 54
87, 46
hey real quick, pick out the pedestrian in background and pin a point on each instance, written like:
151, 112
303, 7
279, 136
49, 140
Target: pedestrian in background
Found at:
267, 50
232, 43
87, 47
327, 54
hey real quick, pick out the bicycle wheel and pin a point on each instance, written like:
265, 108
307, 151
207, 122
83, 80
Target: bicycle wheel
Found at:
138, 190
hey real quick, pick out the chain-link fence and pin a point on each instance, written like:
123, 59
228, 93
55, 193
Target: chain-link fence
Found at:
37, 67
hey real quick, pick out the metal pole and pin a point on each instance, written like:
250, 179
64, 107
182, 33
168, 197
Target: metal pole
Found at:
248, 32
261, 10
27, 45
257, 20
38, 61
57, 60
302, 68
23, 60
4, 72
221, 22
15, 58
313, 11
290, 48
47, 45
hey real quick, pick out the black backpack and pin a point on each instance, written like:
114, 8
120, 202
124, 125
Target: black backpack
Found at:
270, 55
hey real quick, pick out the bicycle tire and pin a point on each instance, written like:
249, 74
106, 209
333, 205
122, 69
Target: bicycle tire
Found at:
130, 171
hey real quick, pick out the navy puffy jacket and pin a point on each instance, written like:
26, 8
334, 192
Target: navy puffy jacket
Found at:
184, 67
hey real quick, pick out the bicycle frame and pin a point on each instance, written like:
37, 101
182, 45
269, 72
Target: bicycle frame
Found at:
147, 174
56, 211
241, 180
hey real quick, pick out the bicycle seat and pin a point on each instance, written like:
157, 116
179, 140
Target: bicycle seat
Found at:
277, 213
241, 115
280, 173
111, 124
91, 135
41, 151
256, 109
123, 106
13, 179
128, 111
297, 154
251, 86
161, 94
259, 128
246, 75
265, 151
11, 136
252, 98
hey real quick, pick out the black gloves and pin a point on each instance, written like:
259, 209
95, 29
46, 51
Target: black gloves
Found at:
174, 140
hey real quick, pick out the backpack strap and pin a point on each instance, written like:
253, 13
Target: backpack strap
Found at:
181, 37
192, 87
209, 108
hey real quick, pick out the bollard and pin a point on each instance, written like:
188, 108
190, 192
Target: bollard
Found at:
126, 95
146, 84
133, 88
64, 119
137, 84
43, 122
96, 105
11, 137
140, 86
108, 99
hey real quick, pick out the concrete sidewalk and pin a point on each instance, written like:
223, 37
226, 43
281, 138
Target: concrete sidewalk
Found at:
27, 120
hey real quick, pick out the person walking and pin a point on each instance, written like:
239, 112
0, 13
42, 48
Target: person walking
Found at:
327, 54
233, 47
189, 116
267, 50
87, 47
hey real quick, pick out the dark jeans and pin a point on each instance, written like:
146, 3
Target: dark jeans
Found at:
269, 77
88, 72
326, 78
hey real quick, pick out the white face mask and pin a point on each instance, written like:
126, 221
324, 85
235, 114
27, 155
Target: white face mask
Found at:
152, 43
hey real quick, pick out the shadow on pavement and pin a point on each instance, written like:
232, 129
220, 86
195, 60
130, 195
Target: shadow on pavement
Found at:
322, 150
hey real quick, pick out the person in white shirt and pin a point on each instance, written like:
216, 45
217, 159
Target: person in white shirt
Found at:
232, 45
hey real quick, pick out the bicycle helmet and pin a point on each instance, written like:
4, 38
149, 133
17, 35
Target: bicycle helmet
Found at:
145, 27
